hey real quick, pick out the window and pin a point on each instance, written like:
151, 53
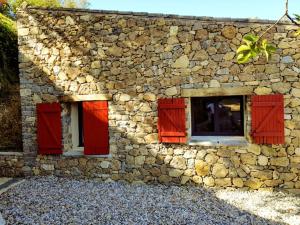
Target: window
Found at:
89, 127
77, 125
84, 130
217, 116
80, 124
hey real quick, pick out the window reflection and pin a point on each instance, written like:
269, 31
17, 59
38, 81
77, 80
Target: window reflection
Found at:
217, 116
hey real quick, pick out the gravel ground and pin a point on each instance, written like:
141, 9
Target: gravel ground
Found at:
50, 200
277, 205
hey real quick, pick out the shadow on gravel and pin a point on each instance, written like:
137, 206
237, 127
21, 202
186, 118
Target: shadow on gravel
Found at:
51, 200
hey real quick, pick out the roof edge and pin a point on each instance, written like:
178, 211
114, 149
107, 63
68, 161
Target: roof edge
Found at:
170, 16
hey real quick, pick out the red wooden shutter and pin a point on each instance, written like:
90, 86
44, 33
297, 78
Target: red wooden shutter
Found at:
49, 129
95, 128
267, 119
171, 120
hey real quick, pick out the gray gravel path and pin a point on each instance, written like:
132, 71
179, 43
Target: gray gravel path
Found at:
51, 200
278, 206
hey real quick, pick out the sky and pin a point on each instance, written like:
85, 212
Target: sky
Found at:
263, 9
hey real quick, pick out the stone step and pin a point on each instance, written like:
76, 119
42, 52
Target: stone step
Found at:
6, 183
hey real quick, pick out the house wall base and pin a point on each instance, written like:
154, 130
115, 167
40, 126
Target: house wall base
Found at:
248, 168
11, 164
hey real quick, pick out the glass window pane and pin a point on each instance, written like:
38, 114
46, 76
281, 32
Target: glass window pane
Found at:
229, 115
203, 114
217, 116
80, 124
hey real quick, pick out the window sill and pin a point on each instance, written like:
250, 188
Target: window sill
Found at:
11, 153
76, 153
218, 141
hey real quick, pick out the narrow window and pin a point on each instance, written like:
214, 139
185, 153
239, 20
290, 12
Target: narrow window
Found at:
77, 126
89, 127
218, 116
80, 125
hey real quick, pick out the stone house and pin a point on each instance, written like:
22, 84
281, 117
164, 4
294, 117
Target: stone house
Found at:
156, 98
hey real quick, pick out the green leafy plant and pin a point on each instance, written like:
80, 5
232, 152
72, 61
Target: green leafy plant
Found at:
255, 45
297, 18
8, 52
49, 3
252, 47
4, 7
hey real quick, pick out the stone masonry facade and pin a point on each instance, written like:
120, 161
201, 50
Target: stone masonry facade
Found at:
132, 60
11, 164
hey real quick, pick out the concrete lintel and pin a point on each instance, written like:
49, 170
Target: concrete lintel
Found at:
204, 92
79, 98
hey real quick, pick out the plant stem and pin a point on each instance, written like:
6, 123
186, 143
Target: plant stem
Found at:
292, 20
270, 27
286, 13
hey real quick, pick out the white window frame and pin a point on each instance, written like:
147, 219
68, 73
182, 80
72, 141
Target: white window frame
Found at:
216, 140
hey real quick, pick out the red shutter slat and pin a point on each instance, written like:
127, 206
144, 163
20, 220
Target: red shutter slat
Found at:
171, 120
173, 133
95, 128
267, 114
49, 128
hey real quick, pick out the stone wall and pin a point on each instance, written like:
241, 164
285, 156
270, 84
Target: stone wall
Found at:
11, 164
134, 59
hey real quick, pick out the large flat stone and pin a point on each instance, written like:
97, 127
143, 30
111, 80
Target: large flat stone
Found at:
181, 62
79, 98
3, 180
6, 183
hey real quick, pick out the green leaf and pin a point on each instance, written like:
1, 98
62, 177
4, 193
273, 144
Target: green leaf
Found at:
297, 17
248, 51
243, 58
268, 50
243, 48
271, 48
250, 39
253, 48
254, 54
264, 44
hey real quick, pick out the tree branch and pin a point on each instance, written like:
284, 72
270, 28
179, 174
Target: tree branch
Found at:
292, 20
287, 13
